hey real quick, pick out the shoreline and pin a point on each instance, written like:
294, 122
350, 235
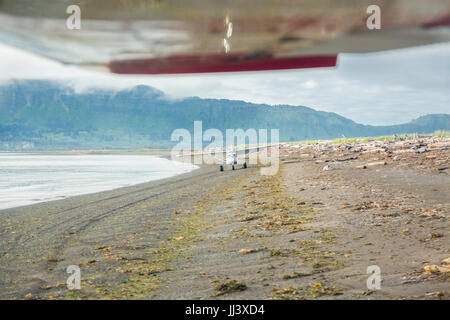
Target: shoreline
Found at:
77, 194
155, 152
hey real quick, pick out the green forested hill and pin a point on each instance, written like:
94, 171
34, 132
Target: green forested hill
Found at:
48, 115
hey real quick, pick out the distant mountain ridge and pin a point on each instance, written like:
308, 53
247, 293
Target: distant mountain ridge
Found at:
38, 114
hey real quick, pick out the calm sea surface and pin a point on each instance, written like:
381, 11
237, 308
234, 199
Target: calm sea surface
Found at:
32, 178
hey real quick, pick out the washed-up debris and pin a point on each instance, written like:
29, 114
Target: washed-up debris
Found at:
229, 286
295, 275
248, 250
45, 287
314, 290
378, 163
433, 268
372, 164
422, 150
346, 159
368, 205
414, 151
433, 214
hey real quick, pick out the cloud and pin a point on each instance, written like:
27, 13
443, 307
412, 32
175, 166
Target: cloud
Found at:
309, 84
380, 88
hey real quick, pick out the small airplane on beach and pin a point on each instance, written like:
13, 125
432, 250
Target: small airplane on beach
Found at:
231, 159
235, 157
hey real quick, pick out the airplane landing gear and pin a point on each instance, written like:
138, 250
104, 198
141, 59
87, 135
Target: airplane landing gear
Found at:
221, 168
245, 165
232, 167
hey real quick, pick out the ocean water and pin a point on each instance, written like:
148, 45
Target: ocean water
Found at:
32, 178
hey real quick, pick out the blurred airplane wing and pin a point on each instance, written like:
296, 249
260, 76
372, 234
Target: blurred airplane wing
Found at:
178, 36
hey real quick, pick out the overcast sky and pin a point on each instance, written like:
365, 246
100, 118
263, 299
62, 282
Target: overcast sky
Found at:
381, 88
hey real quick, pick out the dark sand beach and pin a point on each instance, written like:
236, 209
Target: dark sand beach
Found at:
305, 233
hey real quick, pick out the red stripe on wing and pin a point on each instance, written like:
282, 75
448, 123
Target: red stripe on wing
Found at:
219, 63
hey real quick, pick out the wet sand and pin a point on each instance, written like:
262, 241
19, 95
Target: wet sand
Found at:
304, 233
38, 242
